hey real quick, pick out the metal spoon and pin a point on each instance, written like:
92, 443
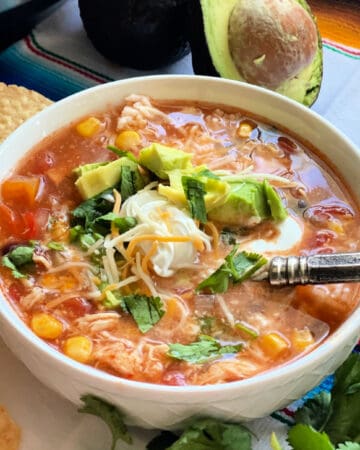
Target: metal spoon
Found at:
315, 269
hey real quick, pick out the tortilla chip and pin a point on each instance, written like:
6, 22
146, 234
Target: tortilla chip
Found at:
16, 105
9, 432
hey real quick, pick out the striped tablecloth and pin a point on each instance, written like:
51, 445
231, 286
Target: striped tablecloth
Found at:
57, 60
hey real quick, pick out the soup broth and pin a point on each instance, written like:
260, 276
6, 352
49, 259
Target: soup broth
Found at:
145, 279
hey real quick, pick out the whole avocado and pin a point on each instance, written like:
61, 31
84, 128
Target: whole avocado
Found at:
141, 34
271, 43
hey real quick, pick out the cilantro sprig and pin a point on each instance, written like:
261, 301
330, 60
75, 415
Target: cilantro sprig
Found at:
110, 415
17, 258
146, 311
203, 350
236, 268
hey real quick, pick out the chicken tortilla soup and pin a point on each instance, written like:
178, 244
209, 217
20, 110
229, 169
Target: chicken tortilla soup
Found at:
133, 240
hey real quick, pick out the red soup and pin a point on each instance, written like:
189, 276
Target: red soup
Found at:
130, 241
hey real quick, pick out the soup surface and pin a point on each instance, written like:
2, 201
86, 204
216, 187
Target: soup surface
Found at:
133, 241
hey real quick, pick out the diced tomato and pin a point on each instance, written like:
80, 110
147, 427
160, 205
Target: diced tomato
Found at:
11, 221
174, 378
20, 190
29, 225
77, 307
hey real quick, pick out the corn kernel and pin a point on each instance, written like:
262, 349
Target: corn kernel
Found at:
46, 326
127, 140
302, 339
78, 348
88, 127
273, 344
245, 128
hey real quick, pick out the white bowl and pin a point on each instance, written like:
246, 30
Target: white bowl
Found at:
154, 406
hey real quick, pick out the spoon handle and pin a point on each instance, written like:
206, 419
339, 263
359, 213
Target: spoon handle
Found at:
315, 269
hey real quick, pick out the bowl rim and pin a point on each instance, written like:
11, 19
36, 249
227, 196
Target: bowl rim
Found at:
346, 331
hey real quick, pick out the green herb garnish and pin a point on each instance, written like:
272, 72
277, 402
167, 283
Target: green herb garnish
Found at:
122, 153
205, 434
122, 223
128, 182
146, 311
205, 349
18, 257
337, 413
110, 415
195, 192
237, 268
57, 246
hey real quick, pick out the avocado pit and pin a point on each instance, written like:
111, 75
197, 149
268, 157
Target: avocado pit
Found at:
271, 41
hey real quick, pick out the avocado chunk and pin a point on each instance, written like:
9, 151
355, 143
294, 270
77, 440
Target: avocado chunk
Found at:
79, 171
161, 159
142, 34
248, 204
277, 209
215, 188
270, 43
101, 177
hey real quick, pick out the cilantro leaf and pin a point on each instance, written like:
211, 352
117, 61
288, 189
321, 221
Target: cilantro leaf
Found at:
237, 267
305, 437
122, 223
208, 174
122, 153
10, 265
203, 350
211, 434
89, 210
57, 246
109, 414
146, 311
195, 191
162, 441
315, 411
343, 424
18, 257
349, 446
128, 182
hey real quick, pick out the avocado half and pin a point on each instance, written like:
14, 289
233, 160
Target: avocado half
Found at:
213, 25
141, 34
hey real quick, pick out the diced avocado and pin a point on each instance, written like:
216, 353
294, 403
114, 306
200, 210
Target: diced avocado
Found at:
92, 182
161, 159
245, 205
278, 210
216, 189
79, 171
278, 46
249, 203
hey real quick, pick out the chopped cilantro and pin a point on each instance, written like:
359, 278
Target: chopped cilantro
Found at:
57, 246
205, 349
109, 414
195, 192
18, 257
237, 267
88, 211
212, 434
208, 174
122, 153
146, 311
122, 223
128, 182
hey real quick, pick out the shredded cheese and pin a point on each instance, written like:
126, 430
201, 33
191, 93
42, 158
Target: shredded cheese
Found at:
148, 255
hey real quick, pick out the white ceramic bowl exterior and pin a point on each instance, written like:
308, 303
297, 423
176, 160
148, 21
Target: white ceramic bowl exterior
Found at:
166, 407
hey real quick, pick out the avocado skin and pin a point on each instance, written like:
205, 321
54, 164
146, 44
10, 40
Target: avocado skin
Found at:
201, 58
141, 34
